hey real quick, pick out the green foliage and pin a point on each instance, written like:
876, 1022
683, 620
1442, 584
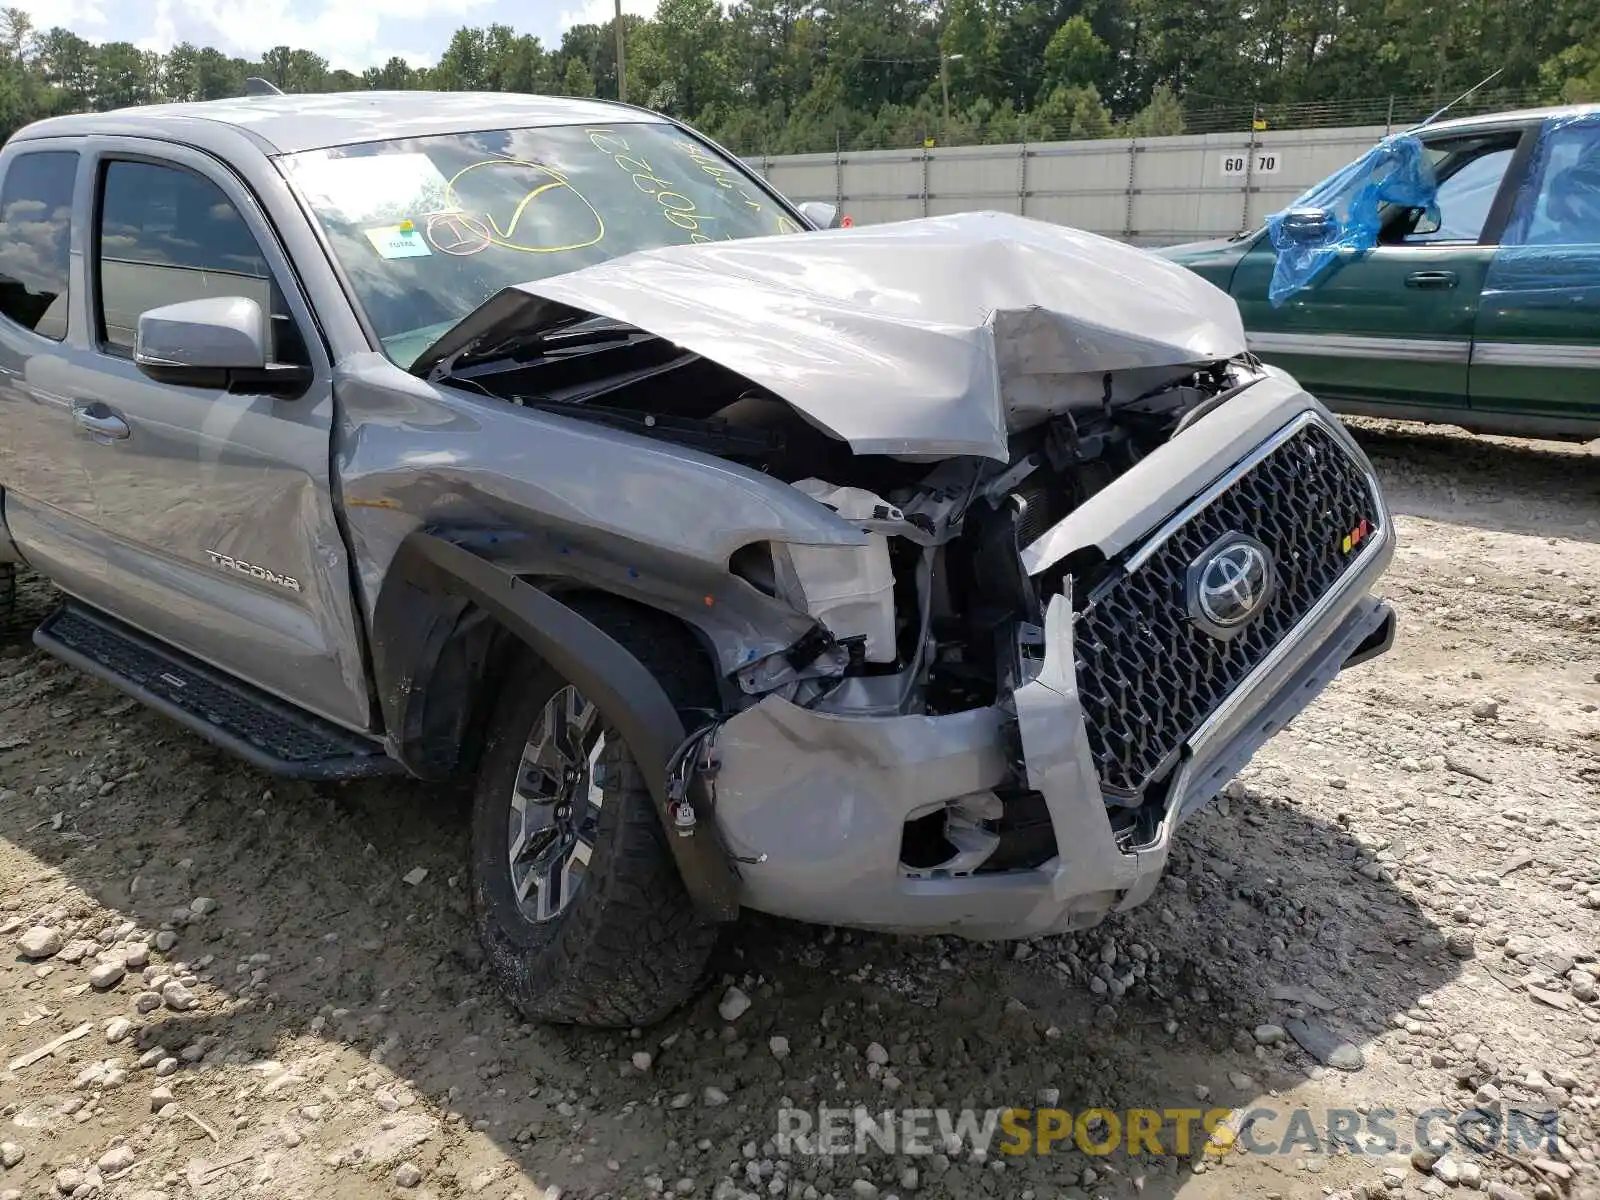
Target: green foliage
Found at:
1075, 57
1162, 117
1075, 113
1575, 72
577, 81
785, 76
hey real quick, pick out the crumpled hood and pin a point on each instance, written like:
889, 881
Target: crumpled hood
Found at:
925, 338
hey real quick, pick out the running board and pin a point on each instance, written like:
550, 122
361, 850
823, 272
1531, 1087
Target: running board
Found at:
264, 731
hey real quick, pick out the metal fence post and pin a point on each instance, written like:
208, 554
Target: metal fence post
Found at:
838, 169
1249, 168
1127, 212
1022, 175
927, 157
1388, 122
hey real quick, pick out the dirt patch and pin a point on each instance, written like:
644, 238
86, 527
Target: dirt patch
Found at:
1407, 876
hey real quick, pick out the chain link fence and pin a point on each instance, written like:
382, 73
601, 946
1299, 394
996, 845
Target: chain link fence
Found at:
1206, 114
917, 129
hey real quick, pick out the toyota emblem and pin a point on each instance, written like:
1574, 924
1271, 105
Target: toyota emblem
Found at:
1230, 584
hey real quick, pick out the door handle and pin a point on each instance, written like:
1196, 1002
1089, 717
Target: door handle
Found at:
100, 421
1431, 280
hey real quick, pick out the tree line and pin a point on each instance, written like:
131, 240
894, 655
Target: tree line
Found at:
785, 76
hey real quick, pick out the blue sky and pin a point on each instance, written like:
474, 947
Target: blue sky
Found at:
349, 33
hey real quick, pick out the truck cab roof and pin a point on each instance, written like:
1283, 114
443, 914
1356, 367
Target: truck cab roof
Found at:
290, 123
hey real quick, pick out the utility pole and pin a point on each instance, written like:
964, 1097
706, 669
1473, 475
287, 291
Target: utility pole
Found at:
622, 66
944, 86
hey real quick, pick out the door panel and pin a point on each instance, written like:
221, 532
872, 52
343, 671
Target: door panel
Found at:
1394, 326
49, 494
1537, 348
216, 518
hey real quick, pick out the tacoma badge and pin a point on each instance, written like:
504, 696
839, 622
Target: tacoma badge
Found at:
228, 563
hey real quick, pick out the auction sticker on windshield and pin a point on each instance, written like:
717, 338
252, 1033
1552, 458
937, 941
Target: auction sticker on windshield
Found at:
398, 241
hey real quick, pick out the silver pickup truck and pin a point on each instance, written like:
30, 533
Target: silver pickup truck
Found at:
920, 577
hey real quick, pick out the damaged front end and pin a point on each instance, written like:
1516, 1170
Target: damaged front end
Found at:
1096, 556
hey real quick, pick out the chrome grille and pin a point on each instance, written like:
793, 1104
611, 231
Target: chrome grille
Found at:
1148, 676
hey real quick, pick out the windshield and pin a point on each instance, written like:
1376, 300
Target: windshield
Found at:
429, 228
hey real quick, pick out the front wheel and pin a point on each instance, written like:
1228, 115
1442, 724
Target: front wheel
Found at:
10, 620
578, 900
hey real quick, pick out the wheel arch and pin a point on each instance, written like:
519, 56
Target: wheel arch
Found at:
439, 628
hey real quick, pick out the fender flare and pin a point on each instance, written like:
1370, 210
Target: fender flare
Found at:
625, 692
10, 555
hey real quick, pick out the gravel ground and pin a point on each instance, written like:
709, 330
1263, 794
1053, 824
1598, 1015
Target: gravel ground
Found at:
263, 999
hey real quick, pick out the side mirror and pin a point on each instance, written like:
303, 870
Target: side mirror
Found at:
821, 214
1428, 221
1308, 226
218, 342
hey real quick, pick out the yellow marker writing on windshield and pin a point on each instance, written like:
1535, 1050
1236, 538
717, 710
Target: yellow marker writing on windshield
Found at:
516, 214
570, 213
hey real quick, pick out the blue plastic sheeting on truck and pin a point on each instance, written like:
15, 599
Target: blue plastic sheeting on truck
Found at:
1394, 172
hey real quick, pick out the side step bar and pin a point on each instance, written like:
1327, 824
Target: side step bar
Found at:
261, 729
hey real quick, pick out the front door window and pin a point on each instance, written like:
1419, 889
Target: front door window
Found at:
1467, 188
168, 235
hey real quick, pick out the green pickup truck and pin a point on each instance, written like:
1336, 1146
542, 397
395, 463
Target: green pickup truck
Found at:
1479, 309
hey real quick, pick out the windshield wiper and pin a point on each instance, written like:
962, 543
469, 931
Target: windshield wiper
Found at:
523, 347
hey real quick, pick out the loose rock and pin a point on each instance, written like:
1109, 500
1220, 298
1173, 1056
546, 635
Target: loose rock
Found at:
178, 998
40, 942
1460, 945
734, 1004
118, 1158
1326, 1046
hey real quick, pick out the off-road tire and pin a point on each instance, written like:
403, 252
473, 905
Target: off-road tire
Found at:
10, 616
630, 948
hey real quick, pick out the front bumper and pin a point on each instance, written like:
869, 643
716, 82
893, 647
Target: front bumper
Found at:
814, 805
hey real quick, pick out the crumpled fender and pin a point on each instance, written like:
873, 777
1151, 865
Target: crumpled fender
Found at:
626, 693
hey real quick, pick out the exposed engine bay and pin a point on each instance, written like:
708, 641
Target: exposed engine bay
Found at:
927, 616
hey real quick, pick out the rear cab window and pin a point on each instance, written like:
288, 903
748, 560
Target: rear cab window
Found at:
1562, 207
1549, 258
167, 235
36, 240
